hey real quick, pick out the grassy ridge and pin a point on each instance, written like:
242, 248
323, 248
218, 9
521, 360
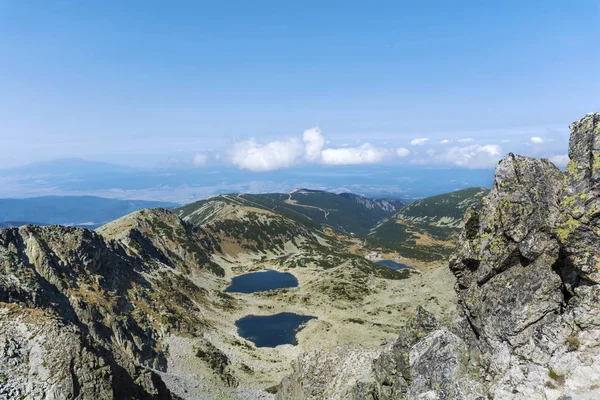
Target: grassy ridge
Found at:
312, 208
426, 229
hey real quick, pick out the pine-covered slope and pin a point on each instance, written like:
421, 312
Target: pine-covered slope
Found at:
346, 212
426, 229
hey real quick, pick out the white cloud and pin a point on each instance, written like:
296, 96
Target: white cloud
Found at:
473, 156
253, 156
560, 160
313, 143
200, 160
465, 140
536, 140
402, 152
419, 141
445, 141
365, 154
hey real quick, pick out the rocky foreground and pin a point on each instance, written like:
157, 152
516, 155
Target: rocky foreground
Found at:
527, 269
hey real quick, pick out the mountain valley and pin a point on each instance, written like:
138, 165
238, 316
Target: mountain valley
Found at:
140, 307
154, 294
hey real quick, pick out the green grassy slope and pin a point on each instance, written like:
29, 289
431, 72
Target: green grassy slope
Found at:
427, 228
346, 212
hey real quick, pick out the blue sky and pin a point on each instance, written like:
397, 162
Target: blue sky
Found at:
237, 83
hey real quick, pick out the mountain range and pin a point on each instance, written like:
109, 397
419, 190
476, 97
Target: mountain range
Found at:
88, 211
138, 308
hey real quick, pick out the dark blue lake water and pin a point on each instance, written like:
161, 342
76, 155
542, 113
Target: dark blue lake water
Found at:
393, 264
262, 281
272, 330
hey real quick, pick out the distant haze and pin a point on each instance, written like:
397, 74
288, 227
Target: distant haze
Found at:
78, 177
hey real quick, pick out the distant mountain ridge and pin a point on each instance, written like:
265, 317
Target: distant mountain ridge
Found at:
16, 224
182, 184
70, 210
346, 212
427, 229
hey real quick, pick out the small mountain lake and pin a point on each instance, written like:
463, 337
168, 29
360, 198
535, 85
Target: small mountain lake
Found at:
262, 281
272, 330
393, 265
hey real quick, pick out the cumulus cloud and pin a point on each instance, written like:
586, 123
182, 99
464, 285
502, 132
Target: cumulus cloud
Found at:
250, 155
313, 143
312, 148
365, 154
402, 152
254, 156
200, 160
473, 156
419, 141
560, 160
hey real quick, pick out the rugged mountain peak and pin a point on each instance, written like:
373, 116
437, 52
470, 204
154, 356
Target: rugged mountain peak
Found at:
527, 272
160, 237
584, 142
110, 298
64, 323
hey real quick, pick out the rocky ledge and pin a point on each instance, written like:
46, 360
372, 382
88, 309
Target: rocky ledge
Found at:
527, 270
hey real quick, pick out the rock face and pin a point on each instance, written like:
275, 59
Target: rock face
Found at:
527, 270
327, 375
527, 274
386, 205
84, 316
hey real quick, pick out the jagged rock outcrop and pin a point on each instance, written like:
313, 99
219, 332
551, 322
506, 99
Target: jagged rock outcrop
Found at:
85, 316
528, 281
327, 375
527, 274
386, 205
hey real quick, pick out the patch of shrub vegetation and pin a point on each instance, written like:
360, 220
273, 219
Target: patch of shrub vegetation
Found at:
218, 362
381, 271
245, 368
355, 321
227, 301
214, 268
560, 379
272, 389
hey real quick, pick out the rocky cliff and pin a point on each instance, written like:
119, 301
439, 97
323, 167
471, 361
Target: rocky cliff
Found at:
85, 314
527, 270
